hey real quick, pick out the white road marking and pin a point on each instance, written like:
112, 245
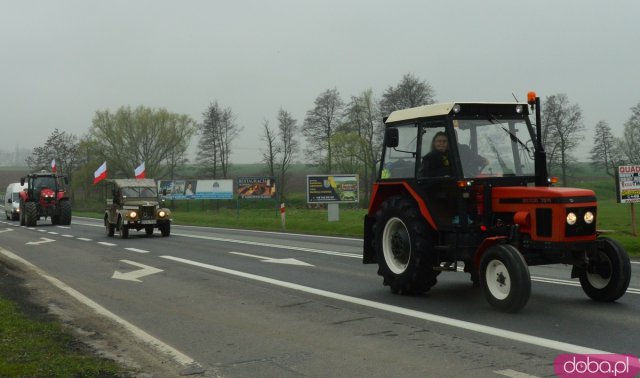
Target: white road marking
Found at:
85, 239
107, 244
514, 374
52, 233
6, 230
41, 230
42, 241
134, 275
67, 236
510, 335
279, 246
67, 227
136, 250
635, 262
288, 261
166, 349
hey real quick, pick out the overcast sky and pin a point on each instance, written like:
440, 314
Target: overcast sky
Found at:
62, 61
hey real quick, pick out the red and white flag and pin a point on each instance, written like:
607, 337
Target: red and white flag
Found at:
53, 166
100, 174
139, 172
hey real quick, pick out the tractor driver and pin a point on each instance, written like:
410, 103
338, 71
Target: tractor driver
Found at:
437, 162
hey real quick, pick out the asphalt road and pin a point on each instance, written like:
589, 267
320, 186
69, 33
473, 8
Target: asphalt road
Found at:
242, 303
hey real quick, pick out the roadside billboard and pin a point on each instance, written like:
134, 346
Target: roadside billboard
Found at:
196, 189
333, 189
256, 187
628, 183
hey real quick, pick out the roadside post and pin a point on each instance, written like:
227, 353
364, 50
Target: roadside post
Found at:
283, 216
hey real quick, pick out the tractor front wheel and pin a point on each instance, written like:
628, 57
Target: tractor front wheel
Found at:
608, 272
404, 247
30, 214
65, 212
505, 278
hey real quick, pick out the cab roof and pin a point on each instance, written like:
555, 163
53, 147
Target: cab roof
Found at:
445, 108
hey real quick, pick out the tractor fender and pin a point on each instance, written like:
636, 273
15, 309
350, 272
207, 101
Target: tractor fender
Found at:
486, 243
383, 191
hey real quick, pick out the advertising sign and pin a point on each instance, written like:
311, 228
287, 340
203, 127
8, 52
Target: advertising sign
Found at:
333, 189
256, 187
628, 183
196, 189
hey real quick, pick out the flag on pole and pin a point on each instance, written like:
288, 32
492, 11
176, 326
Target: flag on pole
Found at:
53, 166
139, 172
100, 174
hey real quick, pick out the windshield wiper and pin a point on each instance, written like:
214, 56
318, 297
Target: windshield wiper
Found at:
514, 138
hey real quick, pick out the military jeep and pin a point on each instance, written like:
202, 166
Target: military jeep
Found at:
134, 204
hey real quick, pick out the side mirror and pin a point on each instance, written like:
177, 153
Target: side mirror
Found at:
391, 138
22, 181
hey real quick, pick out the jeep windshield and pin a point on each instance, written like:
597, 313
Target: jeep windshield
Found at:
494, 147
139, 192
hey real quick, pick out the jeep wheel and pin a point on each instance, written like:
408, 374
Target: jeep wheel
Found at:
123, 231
165, 228
606, 276
30, 214
403, 246
65, 212
148, 230
109, 228
505, 278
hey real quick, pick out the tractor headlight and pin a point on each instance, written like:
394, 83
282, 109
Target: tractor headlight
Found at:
162, 214
588, 217
133, 214
519, 109
456, 108
571, 219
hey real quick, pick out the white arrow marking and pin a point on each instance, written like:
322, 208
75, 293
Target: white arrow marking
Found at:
6, 230
42, 241
288, 261
135, 274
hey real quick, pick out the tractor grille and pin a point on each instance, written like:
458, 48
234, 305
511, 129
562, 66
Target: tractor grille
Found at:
147, 212
581, 228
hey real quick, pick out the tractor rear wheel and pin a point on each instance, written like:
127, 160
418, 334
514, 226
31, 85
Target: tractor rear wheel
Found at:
404, 248
110, 229
123, 231
30, 214
505, 278
65, 212
607, 275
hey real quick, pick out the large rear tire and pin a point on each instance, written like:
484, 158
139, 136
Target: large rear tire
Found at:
505, 279
31, 214
608, 272
65, 212
404, 249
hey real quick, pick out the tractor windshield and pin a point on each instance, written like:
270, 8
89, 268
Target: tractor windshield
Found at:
44, 182
494, 148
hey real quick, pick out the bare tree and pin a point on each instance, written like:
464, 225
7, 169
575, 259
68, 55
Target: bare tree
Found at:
631, 142
363, 118
562, 131
287, 147
61, 146
217, 133
606, 152
270, 155
409, 93
128, 137
319, 126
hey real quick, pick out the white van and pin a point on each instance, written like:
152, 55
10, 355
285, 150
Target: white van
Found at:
12, 200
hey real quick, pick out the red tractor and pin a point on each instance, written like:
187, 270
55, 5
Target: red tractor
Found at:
485, 200
44, 197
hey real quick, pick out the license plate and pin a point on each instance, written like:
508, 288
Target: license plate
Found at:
150, 221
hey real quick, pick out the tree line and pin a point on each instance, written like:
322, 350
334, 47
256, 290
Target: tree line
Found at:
342, 136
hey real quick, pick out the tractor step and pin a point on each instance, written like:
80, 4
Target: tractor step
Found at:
447, 266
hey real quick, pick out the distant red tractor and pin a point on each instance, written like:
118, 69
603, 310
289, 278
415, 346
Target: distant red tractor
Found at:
486, 202
44, 197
